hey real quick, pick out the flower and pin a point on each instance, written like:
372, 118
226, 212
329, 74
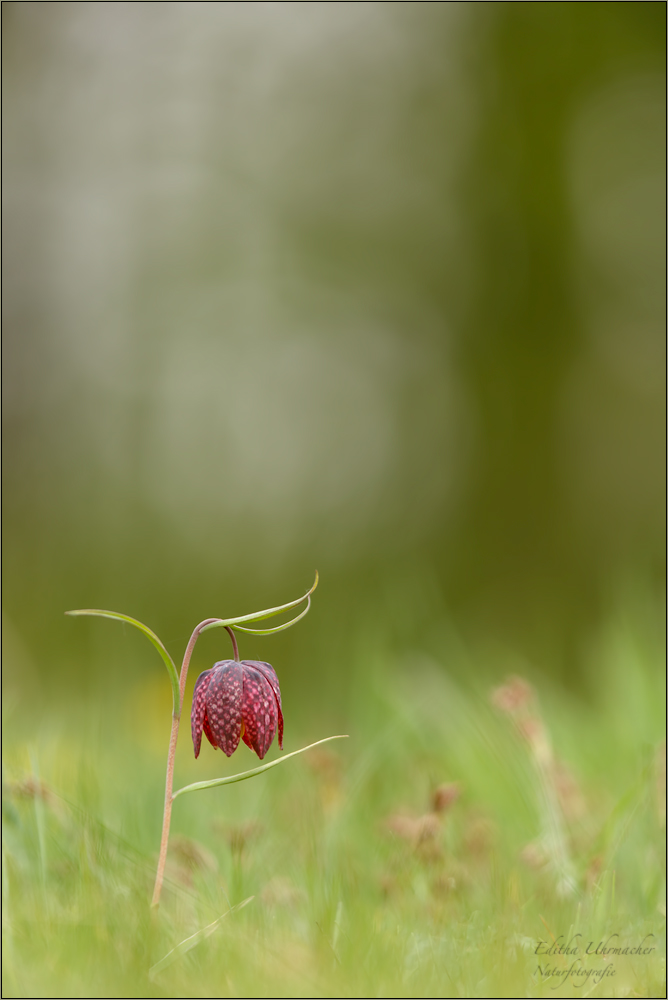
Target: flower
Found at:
237, 700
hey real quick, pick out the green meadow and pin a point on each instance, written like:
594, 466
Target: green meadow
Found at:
466, 840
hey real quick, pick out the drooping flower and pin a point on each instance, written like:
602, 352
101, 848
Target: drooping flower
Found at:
237, 700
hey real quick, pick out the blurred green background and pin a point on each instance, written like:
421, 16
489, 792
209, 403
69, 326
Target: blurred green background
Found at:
372, 288
375, 289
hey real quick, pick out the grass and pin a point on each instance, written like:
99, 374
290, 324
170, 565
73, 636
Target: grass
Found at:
427, 856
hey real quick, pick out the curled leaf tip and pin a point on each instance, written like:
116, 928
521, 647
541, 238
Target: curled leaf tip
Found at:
278, 628
267, 613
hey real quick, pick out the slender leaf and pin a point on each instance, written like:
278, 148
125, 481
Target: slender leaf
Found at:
279, 628
151, 636
269, 613
256, 770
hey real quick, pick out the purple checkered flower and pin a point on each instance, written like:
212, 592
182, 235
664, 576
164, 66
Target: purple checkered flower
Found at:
237, 700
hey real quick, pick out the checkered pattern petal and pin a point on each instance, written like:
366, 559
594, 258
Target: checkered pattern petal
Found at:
237, 699
198, 713
223, 705
269, 674
259, 710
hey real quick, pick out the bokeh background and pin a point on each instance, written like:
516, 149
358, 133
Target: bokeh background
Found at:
372, 288
375, 289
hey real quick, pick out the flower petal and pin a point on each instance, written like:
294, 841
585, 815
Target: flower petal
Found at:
209, 735
223, 705
259, 710
198, 712
270, 675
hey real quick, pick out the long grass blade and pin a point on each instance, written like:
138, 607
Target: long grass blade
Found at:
184, 946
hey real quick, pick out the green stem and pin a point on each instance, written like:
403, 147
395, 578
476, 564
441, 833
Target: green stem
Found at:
171, 756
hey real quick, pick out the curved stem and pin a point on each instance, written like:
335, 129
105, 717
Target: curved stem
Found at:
234, 642
171, 755
188, 653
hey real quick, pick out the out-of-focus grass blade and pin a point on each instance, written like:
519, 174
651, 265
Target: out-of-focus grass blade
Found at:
256, 770
268, 613
193, 940
150, 635
616, 826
